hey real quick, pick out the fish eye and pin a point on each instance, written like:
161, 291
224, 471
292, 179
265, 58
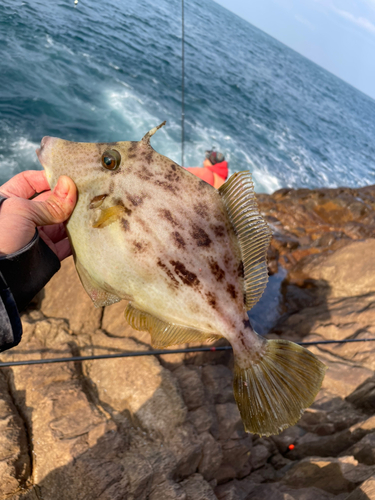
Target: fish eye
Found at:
111, 159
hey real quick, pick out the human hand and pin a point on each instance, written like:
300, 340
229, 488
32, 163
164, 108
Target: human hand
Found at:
19, 215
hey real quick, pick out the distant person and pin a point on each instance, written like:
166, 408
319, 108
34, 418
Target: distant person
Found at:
214, 170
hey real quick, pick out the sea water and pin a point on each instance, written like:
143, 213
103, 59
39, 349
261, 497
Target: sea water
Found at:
110, 71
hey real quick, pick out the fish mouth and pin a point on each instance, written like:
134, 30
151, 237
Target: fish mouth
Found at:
42, 151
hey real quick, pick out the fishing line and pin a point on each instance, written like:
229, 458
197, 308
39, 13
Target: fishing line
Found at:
158, 352
183, 86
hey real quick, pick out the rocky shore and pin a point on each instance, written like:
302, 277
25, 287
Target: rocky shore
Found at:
167, 427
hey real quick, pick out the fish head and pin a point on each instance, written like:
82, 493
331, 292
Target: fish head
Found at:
92, 166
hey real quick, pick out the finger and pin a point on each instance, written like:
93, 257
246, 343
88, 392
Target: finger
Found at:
25, 184
63, 249
58, 207
55, 233
43, 196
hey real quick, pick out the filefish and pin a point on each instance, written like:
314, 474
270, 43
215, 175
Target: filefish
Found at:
189, 259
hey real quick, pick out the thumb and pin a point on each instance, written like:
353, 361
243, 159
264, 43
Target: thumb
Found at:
59, 206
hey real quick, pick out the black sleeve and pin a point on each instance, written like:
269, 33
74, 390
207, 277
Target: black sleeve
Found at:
23, 274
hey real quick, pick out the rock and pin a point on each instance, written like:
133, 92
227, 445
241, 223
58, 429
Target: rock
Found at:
202, 418
237, 453
167, 490
259, 455
196, 488
333, 475
139, 385
366, 491
290, 436
230, 423
212, 456
349, 271
14, 455
364, 396
280, 492
65, 297
218, 380
364, 450
190, 382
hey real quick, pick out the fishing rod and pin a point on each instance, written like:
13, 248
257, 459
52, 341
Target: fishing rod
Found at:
163, 352
183, 84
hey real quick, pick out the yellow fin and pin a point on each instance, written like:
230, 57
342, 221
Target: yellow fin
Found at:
99, 296
164, 334
252, 231
146, 138
109, 215
273, 393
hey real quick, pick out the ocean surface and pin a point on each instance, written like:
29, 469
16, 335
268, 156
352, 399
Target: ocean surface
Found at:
109, 71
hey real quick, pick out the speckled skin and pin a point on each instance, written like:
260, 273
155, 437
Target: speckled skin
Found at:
172, 250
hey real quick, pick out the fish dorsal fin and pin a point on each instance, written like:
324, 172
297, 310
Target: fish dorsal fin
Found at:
99, 296
252, 231
146, 138
164, 334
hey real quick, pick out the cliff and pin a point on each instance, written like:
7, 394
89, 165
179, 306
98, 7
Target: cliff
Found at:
167, 427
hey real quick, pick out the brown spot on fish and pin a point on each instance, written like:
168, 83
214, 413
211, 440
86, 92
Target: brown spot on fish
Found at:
132, 155
133, 146
174, 282
144, 174
211, 299
187, 277
148, 156
135, 200
125, 225
167, 186
218, 230
231, 290
111, 187
97, 201
199, 234
173, 167
216, 270
119, 202
201, 209
178, 240
139, 246
166, 214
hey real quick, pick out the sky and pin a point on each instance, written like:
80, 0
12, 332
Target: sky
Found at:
339, 35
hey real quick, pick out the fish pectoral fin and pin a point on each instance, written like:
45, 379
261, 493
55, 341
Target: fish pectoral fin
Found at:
252, 231
99, 296
164, 334
108, 216
273, 392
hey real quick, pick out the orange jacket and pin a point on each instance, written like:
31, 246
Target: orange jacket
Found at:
214, 174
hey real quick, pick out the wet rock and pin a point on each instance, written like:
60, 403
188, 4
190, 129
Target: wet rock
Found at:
65, 297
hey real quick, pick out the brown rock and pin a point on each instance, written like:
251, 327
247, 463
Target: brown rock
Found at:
366, 491
218, 380
230, 423
332, 475
212, 456
259, 456
364, 450
139, 385
202, 418
196, 488
65, 297
167, 490
14, 457
190, 382
349, 271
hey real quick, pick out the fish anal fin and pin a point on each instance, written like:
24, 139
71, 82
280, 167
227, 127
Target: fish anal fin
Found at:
272, 393
164, 334
99, 296
252, 231
108, 216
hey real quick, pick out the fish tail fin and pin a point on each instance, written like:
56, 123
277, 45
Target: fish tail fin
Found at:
272, 392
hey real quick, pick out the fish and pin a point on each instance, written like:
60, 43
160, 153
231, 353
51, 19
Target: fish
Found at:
189, 259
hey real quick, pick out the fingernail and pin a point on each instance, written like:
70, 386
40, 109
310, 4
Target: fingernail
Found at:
62, 188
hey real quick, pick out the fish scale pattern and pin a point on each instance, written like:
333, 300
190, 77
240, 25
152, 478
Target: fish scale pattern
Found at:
252, 230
